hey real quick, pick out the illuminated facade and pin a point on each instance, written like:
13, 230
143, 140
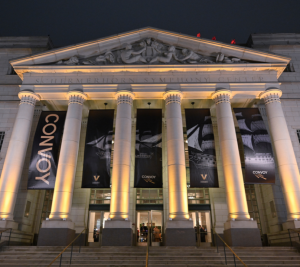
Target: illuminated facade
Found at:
172, 72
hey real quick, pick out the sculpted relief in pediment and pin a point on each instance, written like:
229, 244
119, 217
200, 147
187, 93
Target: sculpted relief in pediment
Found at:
149, 51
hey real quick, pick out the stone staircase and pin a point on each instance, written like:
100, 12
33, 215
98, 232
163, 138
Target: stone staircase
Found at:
159, 256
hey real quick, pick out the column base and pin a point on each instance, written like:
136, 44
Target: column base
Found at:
180, 233
117, 233
291, 225
9, 224
56, 233
242, 234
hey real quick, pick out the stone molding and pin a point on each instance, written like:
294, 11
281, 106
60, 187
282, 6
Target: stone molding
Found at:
76, 97
271, 96
222, 96
28, 97
173, 96
124, 97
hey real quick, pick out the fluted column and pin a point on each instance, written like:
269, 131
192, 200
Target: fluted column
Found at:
178, 206
15, 156
65, 177
120, 181
234, 183
287, 164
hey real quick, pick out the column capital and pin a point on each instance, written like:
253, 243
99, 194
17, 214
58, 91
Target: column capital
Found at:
271, 95
221, 96
28, 97
124, 97
173, 96
76, 97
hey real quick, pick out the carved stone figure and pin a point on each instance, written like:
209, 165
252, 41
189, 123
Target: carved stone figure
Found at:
107, 57
71, 61
168, 56
130, 56
221, 58
193, 58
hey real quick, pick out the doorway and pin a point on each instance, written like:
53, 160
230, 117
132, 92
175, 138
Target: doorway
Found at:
202, 225
149, 226
96, 224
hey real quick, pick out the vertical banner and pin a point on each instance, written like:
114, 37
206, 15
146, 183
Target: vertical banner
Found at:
45, 149
97, 153
259, 159
201, 147
148, 149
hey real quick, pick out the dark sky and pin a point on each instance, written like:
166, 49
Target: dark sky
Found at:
74, 21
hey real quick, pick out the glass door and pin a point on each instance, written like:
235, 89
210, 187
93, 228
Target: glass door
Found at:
202, 225
96, 224
149, 228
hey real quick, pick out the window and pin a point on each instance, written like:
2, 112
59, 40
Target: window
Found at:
252, 203
298, 134
149, 196
100, 196
2, 134
47, 205
27, 209
198, 195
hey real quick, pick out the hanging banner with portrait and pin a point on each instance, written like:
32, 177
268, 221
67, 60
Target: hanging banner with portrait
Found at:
258, 152
45, 149
97, 153
148, 149
201, 148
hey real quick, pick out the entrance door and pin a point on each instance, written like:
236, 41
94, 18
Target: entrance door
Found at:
202, 225
96, 224
149, 226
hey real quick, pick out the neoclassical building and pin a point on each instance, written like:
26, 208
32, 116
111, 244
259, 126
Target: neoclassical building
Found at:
150, 69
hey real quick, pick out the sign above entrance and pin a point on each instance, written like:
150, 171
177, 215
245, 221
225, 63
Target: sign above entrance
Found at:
148, 149
201, 147
97, 153
258, 153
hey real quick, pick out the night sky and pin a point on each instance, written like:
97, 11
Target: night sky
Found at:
74, 21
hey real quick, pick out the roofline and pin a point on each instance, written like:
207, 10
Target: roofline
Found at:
192, 38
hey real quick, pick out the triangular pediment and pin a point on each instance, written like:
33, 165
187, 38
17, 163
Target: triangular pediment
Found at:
150, 46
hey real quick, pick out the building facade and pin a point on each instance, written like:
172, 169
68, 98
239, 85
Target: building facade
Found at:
150, 68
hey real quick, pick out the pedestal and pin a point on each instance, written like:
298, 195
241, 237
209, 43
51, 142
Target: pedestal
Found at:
242, 234
180, 233
8, 224
117, 233
56, 233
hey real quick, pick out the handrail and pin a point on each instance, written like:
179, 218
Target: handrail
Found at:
296, 231
66, 248
235, 255
147, 252
5, 230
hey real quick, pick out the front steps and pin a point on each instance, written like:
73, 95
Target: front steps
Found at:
14, 256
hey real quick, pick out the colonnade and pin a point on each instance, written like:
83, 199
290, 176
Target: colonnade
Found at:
178, 206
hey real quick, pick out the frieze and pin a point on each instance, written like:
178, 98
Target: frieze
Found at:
149, 51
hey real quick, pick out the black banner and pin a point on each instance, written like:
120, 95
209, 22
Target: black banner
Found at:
258, 153
45, 149
201, 147
148, 149
97, 153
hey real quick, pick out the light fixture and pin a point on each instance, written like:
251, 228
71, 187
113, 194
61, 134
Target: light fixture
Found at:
170, 219
3, 219
186, 141
251, 219
233, 219
126, 219
47, 219
112, 141
64, 219
295, 219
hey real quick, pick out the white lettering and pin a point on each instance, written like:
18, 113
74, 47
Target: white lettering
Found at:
43, 178
38, 165
48, 139
259, 172
52, 115
50, 124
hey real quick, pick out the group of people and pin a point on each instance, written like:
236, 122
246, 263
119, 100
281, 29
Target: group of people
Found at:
203, 233
143, 232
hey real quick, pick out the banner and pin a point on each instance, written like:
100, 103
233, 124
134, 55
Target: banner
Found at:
45, 149
148, 149
97, 153
258, 153
201, 147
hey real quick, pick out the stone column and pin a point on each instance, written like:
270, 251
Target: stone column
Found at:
65, 177
179, 230
287, 164
117, 231
15, 156
238, 219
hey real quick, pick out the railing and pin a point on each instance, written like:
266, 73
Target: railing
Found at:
295, 231
60, 254
224, 244
10, 236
